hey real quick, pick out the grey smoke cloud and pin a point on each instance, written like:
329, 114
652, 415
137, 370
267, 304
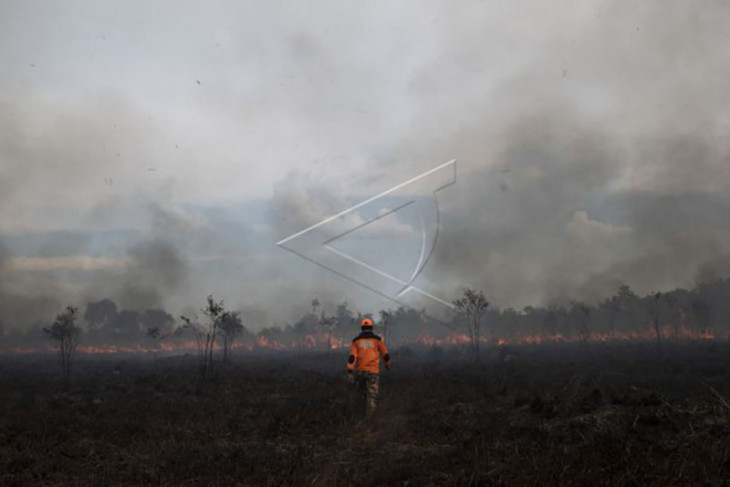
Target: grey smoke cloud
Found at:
591, 143
598, 160
156, 270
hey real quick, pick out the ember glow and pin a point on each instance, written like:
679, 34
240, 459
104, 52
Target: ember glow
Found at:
312, 342
667, 332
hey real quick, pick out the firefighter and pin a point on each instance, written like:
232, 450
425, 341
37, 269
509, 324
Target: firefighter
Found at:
363, 364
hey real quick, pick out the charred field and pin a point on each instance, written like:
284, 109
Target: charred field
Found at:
560, 414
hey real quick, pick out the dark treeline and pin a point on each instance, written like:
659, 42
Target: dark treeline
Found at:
701, 312
103, 323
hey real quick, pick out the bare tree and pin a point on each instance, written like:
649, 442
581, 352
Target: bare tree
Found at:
473, 305
213, 310
67, 335
206, 335
231, 327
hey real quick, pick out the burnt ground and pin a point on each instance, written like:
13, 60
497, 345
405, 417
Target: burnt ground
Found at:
548, 415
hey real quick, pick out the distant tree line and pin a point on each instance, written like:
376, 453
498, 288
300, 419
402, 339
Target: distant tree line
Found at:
679, 314
702, 311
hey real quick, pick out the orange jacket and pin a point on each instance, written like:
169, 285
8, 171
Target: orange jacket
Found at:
365, 353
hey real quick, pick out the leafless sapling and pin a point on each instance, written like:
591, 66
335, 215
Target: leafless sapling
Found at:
206, 335
67, 335
473, 305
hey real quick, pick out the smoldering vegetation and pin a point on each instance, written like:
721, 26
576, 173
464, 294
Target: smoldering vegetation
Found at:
604, 415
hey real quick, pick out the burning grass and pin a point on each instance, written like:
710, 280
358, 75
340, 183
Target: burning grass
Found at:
314, 342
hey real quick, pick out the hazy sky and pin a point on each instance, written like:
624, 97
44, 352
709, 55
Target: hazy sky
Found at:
154, 152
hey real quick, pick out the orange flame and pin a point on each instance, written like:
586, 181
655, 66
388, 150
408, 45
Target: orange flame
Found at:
666, 332
328, 342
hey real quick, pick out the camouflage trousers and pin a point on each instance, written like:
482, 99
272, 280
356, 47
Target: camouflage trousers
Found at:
368, 384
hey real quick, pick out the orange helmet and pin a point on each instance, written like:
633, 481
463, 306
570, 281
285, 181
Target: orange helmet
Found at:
366, 322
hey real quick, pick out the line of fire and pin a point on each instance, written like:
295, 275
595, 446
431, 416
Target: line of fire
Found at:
696, 315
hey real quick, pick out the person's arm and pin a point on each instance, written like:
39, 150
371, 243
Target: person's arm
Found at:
384, 353
351, 360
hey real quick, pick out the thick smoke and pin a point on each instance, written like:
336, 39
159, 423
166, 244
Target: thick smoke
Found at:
19, 306
545, 225
610, 169
591, 146
599, 160
156, 270
77, 227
